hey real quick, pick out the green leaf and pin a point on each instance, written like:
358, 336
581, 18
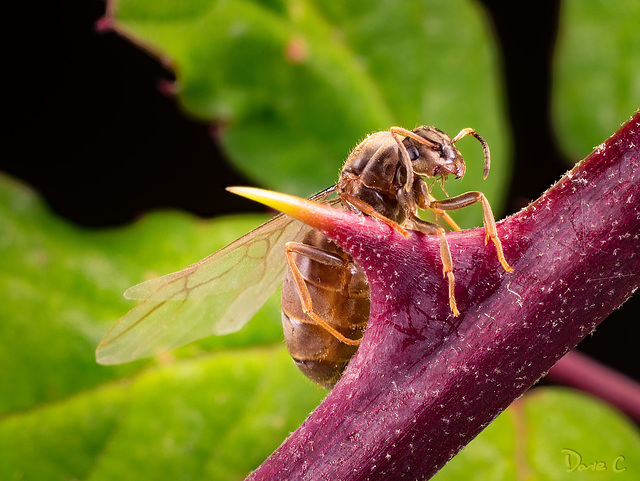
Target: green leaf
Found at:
294, 85
297, 84
62, 289
213, 418
597, 86
551, 434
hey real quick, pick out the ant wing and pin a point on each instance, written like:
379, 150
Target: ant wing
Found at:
217, 295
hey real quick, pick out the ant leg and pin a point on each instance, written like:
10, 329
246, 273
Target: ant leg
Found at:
365, 208
448, 219
470, 198
425, 200
445, 255
442, 213
292, 248
485, 147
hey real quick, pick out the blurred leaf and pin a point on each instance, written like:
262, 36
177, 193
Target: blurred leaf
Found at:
597, 86
541, 436
62, 288
213, 418
295, 85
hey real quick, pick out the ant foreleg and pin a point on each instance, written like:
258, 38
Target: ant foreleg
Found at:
425, 200
470, 198
448, 219
445, 254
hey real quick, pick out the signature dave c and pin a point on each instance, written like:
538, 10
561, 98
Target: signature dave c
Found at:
574, 462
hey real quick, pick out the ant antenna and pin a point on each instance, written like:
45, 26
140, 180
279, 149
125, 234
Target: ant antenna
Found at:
485, 147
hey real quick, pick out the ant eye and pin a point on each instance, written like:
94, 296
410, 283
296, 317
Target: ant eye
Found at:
413, 152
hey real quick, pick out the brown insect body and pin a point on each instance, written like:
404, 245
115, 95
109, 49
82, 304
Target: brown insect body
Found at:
340, 296
325, 295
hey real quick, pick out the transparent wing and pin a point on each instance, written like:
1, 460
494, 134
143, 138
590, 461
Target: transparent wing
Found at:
217, 295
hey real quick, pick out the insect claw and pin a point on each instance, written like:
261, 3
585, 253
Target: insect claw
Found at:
503, 262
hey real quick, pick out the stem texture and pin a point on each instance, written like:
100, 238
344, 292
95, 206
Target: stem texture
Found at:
424, 383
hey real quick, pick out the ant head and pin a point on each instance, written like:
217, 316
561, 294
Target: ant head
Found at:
434, 154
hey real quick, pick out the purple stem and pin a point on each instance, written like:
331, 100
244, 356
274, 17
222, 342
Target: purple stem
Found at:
424, 383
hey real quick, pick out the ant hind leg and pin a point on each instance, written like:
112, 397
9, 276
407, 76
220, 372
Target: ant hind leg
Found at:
293, 248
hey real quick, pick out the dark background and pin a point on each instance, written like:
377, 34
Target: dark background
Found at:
92, 132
